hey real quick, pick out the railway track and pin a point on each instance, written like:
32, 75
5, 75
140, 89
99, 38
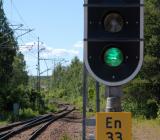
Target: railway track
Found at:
38, 124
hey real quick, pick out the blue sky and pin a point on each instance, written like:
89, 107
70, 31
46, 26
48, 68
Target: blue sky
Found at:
58, 23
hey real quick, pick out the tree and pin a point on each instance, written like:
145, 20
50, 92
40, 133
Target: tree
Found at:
13, 76
8, 47
69, 77
146, 86
19, 72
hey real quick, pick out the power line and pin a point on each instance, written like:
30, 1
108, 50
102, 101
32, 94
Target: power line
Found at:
38, 69
28, 31
22, 19
11, 31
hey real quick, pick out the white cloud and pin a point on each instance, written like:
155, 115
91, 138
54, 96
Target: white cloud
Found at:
23, 49
51, 52
48, 52
79, 44
30, 54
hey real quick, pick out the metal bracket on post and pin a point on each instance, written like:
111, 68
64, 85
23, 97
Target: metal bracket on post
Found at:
114, 95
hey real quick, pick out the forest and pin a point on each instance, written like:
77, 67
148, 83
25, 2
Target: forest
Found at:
141, 95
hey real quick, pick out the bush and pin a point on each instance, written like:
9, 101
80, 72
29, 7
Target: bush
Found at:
158, 113
51, 107
152, 109
78, 102
27, 113
142, 108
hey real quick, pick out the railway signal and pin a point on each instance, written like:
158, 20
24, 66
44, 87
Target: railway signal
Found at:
113, 39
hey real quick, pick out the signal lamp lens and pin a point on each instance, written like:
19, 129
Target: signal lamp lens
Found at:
113, 57
113, 22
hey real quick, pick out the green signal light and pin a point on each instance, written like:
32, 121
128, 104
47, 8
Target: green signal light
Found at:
113, 57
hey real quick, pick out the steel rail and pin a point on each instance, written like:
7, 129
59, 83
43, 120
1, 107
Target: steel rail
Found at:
42, 128
47, 119
12, 125
23, 128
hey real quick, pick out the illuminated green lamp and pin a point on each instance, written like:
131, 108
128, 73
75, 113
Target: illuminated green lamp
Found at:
113, 57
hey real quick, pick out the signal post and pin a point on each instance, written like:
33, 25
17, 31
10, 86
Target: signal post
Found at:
113, 54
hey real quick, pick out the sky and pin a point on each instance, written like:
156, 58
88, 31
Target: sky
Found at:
57, 23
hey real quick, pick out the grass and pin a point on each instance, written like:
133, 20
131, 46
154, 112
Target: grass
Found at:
65, 137
3, 123
90, 114
152, 122
143, 129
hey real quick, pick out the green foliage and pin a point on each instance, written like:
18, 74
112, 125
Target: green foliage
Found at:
7, 50
152, 109
13, 76
139, 100
152, 27
27, 113
52, 107
158, 113
20, 76
77, 102
67, 81
67, 86
3, 123
142, 96
65, 137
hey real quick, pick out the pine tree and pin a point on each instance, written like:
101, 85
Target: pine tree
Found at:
144, 91
7, 49
151, 67
13, 75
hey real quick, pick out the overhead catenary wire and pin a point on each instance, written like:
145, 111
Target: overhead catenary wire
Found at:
22, 19
31, 34
11, 31
27, 31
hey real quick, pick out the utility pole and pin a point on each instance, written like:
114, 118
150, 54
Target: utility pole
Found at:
47, 74
54, 67
85, 94
54, 62
38, 68
97, 97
